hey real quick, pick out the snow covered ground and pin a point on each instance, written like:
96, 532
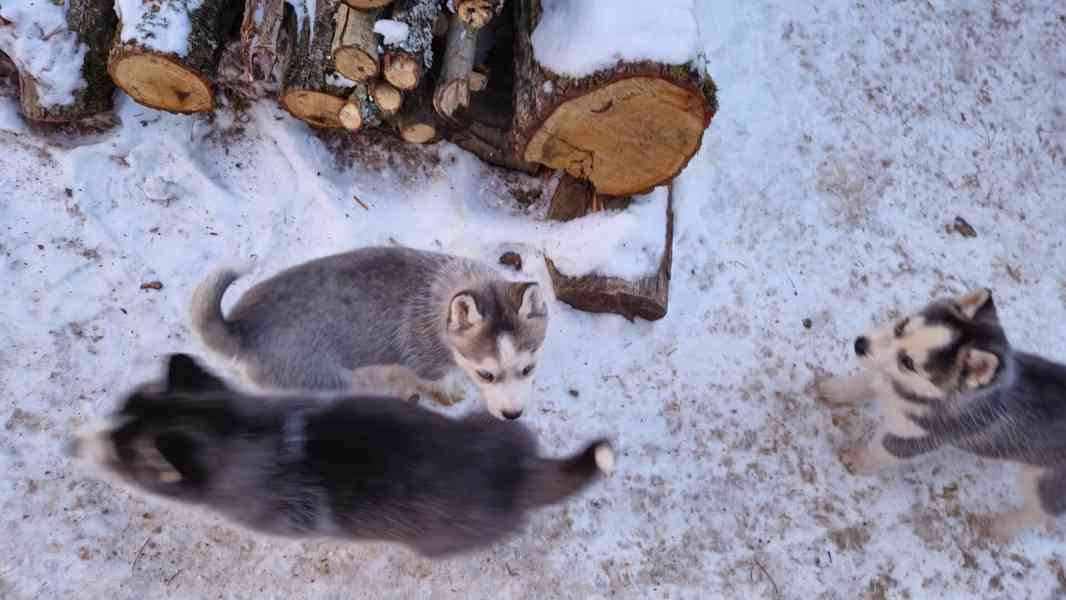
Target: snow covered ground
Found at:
849, 135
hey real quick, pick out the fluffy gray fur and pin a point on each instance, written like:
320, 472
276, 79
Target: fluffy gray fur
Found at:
311, 326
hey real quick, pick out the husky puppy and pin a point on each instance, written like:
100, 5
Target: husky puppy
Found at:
307, 464
428, 315
947, 376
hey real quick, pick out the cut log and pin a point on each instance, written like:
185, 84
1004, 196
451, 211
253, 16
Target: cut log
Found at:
312, 92
453, 85
402, 69
476, 13
647, 298
158, 67
60, 51
627, 129
388, 98
367, 4
406, 59
360, 111
417, 122
355, 51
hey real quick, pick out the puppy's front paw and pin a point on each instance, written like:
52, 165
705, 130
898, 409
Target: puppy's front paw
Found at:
858, 461
445, 399
839, 390
1004, 527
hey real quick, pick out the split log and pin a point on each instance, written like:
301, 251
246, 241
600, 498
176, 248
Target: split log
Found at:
407, 59
417, 122
627, 129
261, 32
647, 298
476, 13
312, 92
388, 98
54, 45
355, 51
158, 67
453, 84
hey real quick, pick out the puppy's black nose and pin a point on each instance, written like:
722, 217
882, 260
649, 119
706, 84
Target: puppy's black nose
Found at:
512, 414
862, 346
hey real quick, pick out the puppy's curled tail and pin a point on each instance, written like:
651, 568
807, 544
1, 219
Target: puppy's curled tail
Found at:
207, 320
556, 480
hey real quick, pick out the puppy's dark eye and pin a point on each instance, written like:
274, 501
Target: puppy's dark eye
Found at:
907, 362
486, 376
901, 326
526, 371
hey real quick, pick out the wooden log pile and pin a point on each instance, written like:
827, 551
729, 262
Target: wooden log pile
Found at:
424, 70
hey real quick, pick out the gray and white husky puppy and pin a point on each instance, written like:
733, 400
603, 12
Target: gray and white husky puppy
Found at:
427, 316
947, 376
309, 464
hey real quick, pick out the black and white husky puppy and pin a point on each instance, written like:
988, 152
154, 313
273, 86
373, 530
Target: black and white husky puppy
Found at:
306, 464
947, 376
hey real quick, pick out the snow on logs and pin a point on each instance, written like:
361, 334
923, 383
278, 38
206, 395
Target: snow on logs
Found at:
60, 51
626, 127
167, 51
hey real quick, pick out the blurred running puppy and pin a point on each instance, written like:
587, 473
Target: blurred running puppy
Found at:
428, 315
947, 376
306, 464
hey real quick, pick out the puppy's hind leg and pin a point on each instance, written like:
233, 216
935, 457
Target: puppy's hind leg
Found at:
843, 389
1044, 496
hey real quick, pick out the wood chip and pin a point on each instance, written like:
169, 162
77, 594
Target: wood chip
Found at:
964, 229
512, 259
152, 285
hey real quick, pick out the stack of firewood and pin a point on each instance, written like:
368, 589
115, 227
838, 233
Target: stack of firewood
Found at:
464, 70
425, 69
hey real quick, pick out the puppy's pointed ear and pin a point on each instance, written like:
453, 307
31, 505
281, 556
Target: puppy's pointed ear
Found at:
528, 300
185, 374
981, 368
977, 305
463, 313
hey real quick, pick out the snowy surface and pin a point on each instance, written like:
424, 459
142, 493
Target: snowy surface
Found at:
161, 25
621, 243
38, 42
848, 136
393, 32
580, 37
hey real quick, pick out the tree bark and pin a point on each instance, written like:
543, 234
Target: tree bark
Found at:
89, 23
647, 298
312, 92
157, 72
627, 129
453, 84
484, 129
261, 30
476, 13
355, 51
367, 4
406, 60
